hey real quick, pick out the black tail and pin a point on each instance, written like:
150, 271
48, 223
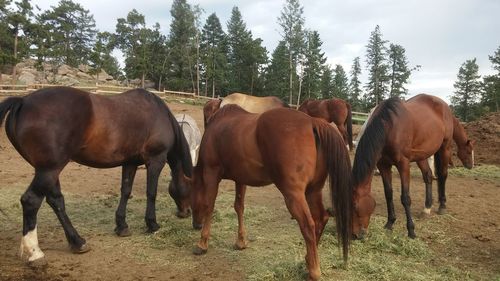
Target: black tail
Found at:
11, 104
338, 164
348, 124
372, 142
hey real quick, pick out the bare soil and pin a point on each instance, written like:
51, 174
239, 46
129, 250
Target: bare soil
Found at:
472, 201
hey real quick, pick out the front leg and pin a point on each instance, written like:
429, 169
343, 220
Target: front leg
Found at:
404, 172
239, 207
386, 174
153, 172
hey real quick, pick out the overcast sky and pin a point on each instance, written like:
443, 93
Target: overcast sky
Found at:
439, 35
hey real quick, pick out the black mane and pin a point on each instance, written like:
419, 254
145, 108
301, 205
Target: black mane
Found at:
373, 139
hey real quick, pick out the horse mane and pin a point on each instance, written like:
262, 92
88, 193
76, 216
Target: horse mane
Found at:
227, 109
181, 147
373, 140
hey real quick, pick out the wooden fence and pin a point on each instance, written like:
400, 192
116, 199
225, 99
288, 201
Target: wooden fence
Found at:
17, 90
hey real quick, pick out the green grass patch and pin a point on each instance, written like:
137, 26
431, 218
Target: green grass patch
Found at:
276, 250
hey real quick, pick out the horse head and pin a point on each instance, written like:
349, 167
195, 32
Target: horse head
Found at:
466, 154
364, 206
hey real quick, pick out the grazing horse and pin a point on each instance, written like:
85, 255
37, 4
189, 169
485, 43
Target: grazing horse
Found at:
399, 133
249, 103
191, 132
334, 110
53, 126
281, 146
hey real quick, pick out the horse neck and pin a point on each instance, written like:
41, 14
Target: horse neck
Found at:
459, 135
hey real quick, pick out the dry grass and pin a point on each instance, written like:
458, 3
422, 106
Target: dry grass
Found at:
276, 250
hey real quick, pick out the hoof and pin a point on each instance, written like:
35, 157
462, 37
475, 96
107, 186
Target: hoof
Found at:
80, 250
239, 246
442, 211
388, 226
197, 226
425, 213
412, 235
38, 263
153, 227
183, 215
331, 212
199, 251
123, 232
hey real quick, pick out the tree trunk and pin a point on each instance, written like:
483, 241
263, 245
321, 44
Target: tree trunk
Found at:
197, 65
14, 69
291, 81
142, 79
298, 98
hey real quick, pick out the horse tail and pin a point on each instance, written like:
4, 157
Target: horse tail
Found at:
12, 105
369, 148
348, 124
338, 165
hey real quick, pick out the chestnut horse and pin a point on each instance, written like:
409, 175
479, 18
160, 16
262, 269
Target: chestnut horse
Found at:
53, 126
399, 133
281, 146
249, 103
333, 110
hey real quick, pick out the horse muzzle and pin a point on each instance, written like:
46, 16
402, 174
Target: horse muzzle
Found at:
359, 236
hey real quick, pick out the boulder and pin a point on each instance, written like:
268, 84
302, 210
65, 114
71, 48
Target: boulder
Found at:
27, 78
64, 70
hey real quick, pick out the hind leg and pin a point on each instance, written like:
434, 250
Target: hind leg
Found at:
153, 172
239, 207
211, 187
299, 209
427, 177
404, 173
320, 216
128, 175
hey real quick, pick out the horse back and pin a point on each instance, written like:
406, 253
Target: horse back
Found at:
50, 125
129, 127
229, 147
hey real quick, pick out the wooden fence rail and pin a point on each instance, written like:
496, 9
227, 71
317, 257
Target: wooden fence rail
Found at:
18, 90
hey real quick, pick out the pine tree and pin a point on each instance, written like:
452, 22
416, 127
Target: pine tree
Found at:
292, 22
326, 88
71, 30
6, 39
314, 62
276, 82
376, 59
101, 58
182, 47
467, 90
213, 48
490, 98
245, 57
355, 91
340, 83
399, 71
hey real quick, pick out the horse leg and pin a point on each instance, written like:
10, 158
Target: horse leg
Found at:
239, 207
128, 175
153, 170
31, 201
298, 208
211, 189
404, 173
443, 159
56, 200
320, 216
386, 174
427, 176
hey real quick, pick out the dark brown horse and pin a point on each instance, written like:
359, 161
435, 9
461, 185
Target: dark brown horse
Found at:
334, 110
281, 146
249, 103
399, 133
52, 126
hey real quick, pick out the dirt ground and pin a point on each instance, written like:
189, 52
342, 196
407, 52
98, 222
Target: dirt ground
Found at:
472, 201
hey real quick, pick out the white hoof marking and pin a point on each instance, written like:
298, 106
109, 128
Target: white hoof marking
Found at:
29, 246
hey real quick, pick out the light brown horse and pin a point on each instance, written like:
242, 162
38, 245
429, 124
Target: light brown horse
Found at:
333, 110
281, 146
399, 133
249, 103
